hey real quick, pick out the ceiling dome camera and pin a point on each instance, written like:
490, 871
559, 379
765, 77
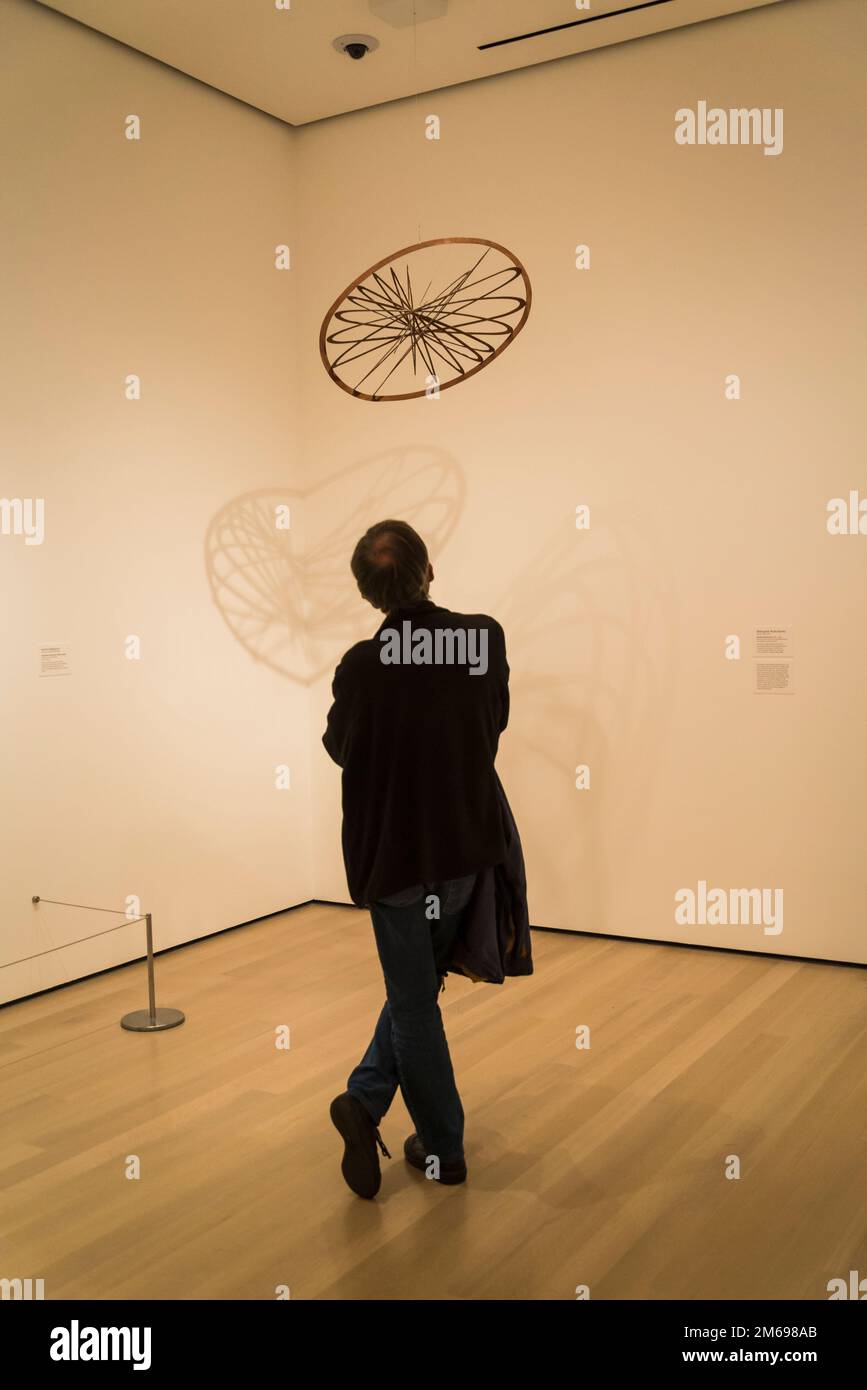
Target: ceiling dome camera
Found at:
356, 45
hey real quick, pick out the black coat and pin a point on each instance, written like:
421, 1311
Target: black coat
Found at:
493, 939
421, 800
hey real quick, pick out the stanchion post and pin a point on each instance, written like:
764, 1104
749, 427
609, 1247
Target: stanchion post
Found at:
151, 1019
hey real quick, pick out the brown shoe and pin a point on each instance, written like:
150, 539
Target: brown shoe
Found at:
450, 1173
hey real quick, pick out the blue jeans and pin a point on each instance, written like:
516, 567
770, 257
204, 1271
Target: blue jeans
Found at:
409, 1047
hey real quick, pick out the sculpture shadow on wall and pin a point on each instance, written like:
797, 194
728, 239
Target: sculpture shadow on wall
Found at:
590, 646
287, 595
589, 641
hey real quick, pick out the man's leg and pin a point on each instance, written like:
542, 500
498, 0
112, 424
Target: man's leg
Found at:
414, 1052
375, 1080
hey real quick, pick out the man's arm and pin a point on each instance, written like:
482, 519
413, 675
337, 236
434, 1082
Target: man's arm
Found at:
339, 721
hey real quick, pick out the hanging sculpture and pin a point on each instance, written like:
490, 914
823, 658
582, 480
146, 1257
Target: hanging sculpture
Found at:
382, 340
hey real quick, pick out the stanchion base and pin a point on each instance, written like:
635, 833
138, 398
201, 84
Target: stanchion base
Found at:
140, 1020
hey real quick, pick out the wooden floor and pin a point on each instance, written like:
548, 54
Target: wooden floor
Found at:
602, 1167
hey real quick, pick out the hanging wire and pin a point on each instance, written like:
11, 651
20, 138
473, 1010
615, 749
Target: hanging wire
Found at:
6, 963
88, 908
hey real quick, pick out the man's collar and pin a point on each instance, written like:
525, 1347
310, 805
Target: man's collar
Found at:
406, 610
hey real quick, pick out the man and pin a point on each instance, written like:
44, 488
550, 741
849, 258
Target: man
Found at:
429, 844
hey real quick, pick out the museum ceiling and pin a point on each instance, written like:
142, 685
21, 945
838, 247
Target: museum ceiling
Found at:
279, 55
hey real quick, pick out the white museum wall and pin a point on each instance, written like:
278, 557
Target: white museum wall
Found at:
708, 515
153, 777
156, 777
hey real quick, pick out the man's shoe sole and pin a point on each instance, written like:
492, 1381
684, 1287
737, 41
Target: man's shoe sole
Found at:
360, 1166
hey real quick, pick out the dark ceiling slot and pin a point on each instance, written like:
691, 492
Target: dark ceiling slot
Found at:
572, 23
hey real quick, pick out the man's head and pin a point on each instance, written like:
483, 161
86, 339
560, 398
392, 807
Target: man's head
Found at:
391, 565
